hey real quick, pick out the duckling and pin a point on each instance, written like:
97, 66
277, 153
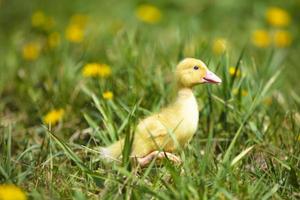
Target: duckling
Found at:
161, 134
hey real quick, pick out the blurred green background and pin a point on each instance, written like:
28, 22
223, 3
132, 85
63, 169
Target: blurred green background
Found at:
182, 26
56, 55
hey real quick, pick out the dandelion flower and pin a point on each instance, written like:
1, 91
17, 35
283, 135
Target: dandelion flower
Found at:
74, 33
96, 69
221, 196
53, 116
219, 46
232, 71
108, 95
148, 13
11, 192
53, 39
282, 39
277, 17
244, 93
31, 51
38, 19
267, 101
235, 91
91, 70
261, 38
104, 70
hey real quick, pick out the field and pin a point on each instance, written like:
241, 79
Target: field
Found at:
77, 75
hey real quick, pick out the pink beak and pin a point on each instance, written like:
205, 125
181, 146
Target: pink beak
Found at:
211, 78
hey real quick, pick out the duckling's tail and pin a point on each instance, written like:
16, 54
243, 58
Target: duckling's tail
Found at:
112, 152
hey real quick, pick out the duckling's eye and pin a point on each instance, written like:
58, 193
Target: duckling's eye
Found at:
196, 67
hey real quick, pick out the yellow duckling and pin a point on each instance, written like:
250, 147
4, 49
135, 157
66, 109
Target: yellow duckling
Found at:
163, 133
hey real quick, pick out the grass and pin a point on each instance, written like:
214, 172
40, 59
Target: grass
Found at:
247, 142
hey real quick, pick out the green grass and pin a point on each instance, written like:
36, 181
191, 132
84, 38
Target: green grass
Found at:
246, 146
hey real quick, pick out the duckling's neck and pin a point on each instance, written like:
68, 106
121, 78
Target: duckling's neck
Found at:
185, 97
184, 92
187, 110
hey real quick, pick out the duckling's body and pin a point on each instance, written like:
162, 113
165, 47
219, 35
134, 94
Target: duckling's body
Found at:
174, 126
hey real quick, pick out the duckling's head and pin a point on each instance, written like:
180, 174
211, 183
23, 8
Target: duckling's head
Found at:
191, 71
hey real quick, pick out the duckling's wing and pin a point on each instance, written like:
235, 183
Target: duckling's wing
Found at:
152, 127
154, 134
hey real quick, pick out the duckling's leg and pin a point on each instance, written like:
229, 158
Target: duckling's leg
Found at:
144, 161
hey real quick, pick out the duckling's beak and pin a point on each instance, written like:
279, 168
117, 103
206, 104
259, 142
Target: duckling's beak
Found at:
211, 78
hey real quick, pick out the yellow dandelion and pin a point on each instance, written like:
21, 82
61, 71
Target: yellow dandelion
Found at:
148, 13
108, 95
79, 20
11, 192
91, 70
31, 51
232, 71
53, 116
267, 101
235, 91
38, 19
282, 39
222, 196
74, 33
277, 17
104, 70
219, 46
261, 38
53, 39
244, 93
96, 69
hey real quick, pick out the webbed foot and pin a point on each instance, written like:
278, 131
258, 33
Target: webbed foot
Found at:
158, 155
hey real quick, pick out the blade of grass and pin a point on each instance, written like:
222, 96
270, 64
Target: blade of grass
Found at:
3, 172
95, 127
256, 100
71, 155
107, 121
237, 66
241, 155
271, 192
